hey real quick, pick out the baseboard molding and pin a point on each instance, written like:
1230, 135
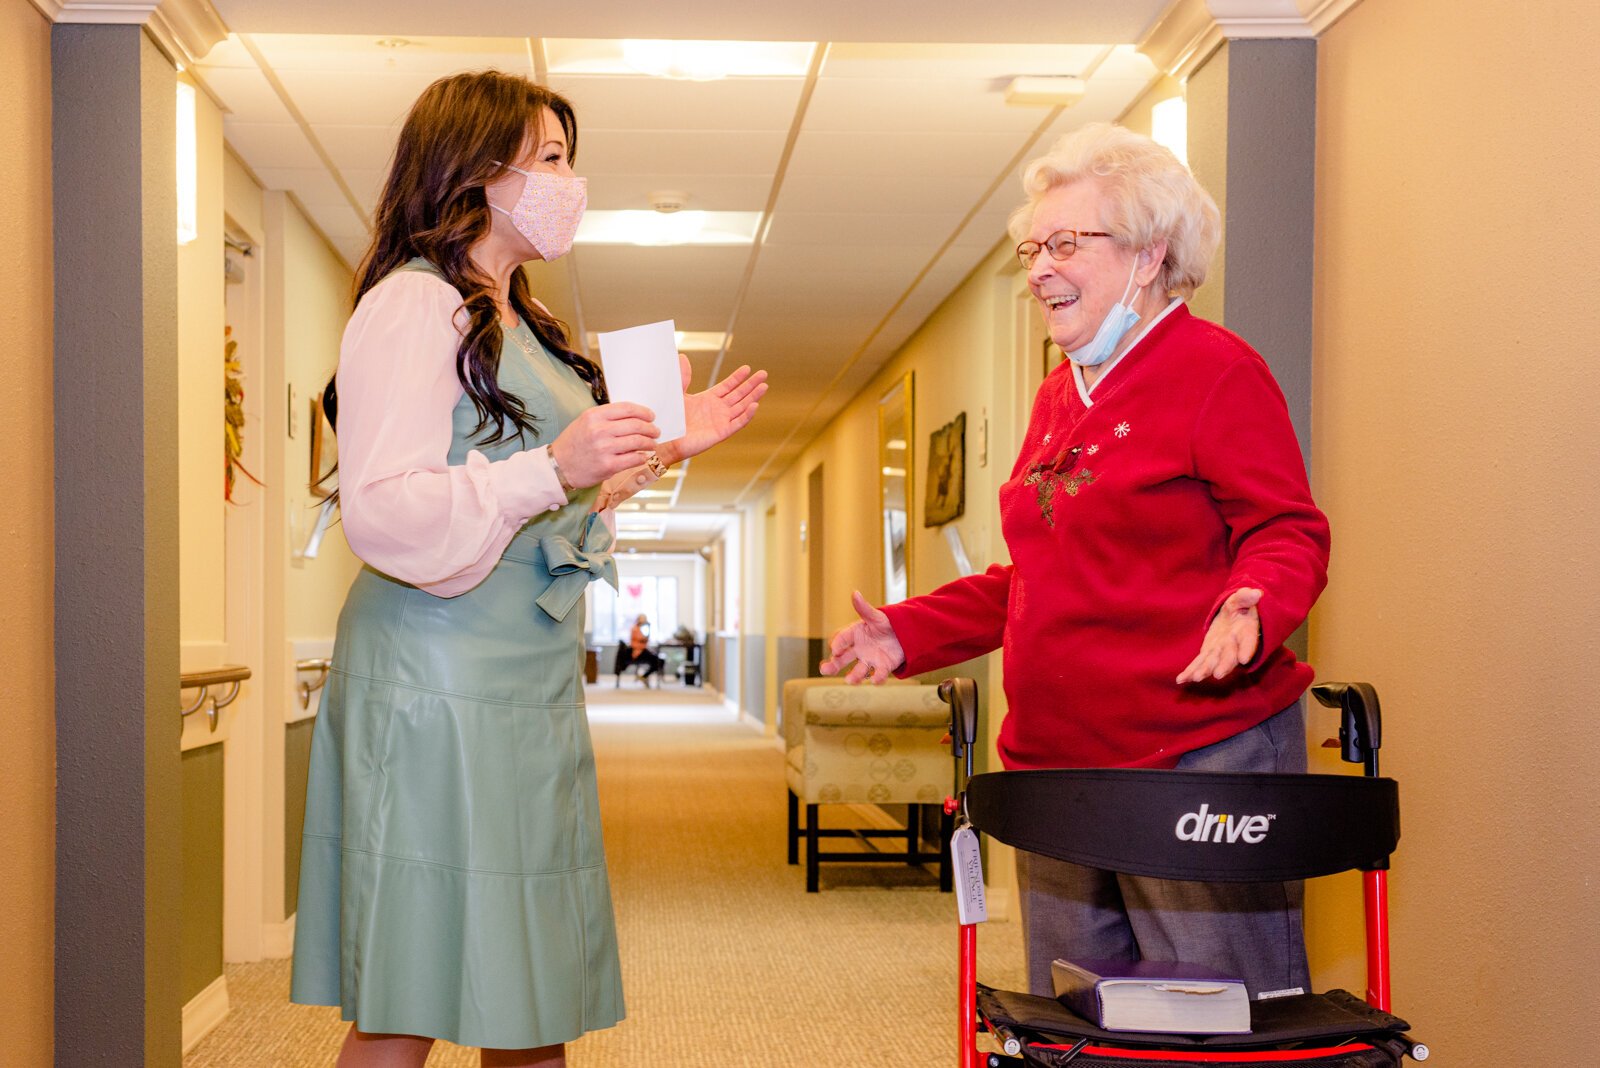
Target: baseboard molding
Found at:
205, 1012
751, 721
277, 940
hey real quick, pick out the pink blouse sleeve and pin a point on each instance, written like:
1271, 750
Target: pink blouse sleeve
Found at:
406, 512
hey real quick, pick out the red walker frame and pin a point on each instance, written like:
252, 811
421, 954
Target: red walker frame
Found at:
1359, 741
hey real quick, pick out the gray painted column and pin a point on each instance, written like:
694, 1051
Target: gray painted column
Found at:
1259, 127
1252, 142
116, 519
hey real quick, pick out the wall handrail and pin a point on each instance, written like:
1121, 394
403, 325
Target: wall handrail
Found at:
232, 675
319, 664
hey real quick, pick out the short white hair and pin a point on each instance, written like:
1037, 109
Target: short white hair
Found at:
1150, 197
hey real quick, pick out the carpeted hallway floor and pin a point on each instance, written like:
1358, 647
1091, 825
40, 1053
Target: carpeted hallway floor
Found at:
726, 960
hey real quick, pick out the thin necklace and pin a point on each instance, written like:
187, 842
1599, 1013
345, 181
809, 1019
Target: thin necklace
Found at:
523, 343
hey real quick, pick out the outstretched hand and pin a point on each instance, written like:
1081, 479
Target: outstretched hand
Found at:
870, 642
717, 413
1231, 640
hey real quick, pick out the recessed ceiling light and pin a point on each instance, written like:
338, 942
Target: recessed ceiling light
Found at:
677, 228
681, 60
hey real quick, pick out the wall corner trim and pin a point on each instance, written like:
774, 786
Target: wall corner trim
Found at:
1189, 31
184, 29
204, 1012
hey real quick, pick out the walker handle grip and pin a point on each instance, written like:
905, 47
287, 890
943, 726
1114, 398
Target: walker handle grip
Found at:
1361, 725
961, 694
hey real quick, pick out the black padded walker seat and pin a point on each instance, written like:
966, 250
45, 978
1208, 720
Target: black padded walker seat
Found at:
1210, 826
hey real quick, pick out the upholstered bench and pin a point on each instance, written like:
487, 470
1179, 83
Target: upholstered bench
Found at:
881, 745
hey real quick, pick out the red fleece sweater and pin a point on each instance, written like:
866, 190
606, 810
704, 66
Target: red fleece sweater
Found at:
1129, 521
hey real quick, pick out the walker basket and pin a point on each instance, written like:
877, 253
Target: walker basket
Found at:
1332, 1030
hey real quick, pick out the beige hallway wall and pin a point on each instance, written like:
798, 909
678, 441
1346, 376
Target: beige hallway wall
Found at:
1457, 452
200, 407
27, 531
316, 304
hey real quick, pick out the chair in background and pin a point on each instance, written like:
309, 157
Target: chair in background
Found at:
880, 745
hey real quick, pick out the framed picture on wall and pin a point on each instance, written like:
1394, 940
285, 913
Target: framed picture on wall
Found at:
324, 451
895, 473
946, 497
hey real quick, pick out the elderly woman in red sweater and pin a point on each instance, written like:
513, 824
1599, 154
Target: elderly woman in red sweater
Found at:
1164, 546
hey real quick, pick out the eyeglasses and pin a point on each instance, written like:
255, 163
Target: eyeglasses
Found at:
1061, 244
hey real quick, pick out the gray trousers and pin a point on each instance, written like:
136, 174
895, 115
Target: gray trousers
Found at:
1253, 930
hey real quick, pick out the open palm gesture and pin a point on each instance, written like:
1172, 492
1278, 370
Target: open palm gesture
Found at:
715, 414
869, 643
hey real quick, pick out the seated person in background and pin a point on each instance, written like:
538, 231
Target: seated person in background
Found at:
639, 648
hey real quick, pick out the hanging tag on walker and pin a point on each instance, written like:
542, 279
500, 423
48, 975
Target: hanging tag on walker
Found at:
968, 865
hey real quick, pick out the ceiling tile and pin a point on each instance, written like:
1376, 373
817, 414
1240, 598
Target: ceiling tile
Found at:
354, 98
833, 229
431, 57
308, 183
358, 147
640, 103
830, 193
626, 286
707, 192
617, 152
935, 106
270, 144
246, 94
911, 156
965, 60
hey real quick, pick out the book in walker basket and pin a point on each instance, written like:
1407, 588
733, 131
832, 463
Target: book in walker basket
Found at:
1164, 997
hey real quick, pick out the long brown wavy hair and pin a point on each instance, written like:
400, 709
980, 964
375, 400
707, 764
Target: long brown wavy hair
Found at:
458, 137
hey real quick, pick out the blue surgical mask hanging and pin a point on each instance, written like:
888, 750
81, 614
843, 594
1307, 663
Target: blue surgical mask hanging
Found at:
1118, 321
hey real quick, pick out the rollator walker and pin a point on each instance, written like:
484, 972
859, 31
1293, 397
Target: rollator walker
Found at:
1149, 823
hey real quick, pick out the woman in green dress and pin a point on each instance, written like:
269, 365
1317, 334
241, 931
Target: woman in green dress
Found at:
453, 883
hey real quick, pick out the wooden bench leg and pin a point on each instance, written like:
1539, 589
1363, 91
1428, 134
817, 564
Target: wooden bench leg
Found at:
947, 827
794, 827
913, 833
813, 847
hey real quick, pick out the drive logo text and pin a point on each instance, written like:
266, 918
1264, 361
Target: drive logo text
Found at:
1208, 826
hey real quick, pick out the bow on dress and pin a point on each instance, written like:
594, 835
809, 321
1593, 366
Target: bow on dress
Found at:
573, 567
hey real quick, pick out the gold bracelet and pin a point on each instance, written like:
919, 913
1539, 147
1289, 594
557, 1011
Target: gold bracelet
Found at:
656, 464
561, 477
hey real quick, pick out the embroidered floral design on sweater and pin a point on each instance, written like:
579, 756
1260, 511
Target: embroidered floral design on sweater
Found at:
1058, 475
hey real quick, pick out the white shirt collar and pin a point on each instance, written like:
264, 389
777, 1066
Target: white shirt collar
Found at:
1077, 372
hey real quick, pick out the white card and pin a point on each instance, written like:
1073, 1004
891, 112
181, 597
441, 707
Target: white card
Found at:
970, 902
641, 365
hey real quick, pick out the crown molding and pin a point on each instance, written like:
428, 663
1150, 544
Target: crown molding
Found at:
1189, 31
184, 29
1184, 37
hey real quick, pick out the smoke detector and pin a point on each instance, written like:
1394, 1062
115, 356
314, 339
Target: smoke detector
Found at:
668, 201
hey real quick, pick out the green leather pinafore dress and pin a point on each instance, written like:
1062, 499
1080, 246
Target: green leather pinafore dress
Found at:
453, 882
